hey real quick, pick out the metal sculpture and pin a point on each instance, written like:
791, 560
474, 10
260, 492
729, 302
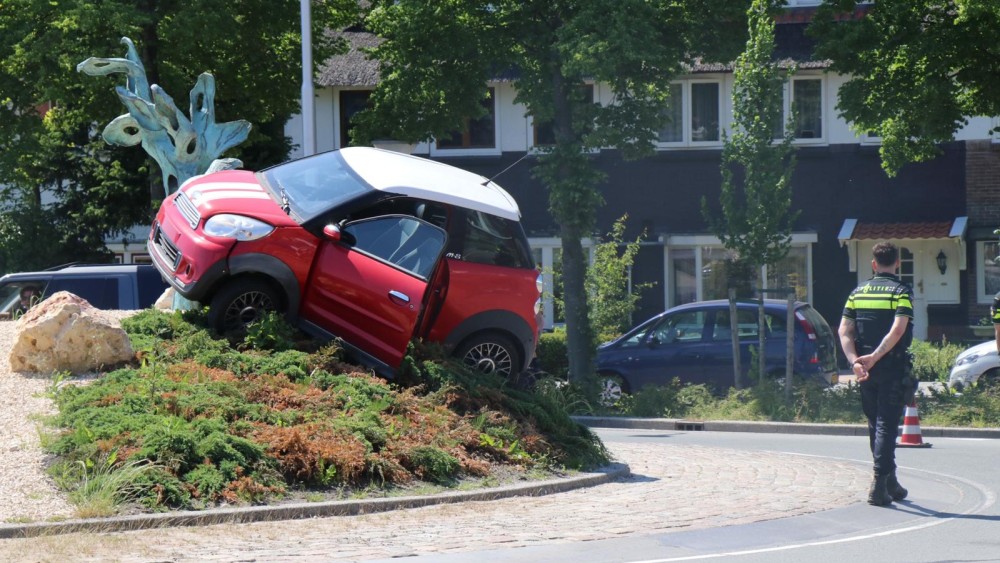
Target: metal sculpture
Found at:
182, 147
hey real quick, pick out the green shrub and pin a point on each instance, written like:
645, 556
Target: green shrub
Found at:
270, 332
933, 362
551, 352
432, 464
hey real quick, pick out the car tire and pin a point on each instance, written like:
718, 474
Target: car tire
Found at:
990, 379
611, 389
240, 303
492, 353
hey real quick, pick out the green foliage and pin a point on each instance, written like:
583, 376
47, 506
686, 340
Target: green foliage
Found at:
917, 68
212, 424
271, 332
612, 301
933, 362
551, 353
756, 219
101, 190
433, 464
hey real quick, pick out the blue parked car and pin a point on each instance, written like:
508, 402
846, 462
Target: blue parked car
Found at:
693, 342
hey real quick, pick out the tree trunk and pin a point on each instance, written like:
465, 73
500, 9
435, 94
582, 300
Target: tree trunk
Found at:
579, 344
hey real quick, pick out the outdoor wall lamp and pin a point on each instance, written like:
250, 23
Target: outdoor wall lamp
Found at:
942, 262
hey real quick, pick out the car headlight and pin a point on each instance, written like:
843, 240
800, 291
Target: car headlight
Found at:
970, 359
237, 227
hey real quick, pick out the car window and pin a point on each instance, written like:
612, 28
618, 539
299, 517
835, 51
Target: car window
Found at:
99, 292
777, 325
488, 239
684, 326
406, 242
10, 294
313, 185
746, 322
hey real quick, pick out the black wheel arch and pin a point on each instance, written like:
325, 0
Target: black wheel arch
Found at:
272, 270
499, 321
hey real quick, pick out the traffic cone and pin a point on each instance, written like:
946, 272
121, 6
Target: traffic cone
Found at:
911, 428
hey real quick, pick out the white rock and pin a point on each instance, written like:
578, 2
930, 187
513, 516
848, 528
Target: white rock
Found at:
66, 333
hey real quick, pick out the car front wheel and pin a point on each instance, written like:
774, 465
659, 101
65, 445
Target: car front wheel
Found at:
240, 304
611, 388
491, 353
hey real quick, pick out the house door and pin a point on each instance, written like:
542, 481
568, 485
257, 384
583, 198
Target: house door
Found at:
911, 271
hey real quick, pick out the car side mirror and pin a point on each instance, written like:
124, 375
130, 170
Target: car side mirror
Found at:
332, 232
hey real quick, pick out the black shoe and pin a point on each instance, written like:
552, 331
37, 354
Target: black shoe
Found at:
878, 495
896, 491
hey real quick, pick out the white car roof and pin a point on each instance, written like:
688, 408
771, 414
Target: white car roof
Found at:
426, 179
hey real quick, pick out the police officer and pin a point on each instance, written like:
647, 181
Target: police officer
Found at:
875, 333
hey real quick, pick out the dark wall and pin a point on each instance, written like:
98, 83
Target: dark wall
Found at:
663, 194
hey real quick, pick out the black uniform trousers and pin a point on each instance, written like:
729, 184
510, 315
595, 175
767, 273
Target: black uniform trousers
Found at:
882, 402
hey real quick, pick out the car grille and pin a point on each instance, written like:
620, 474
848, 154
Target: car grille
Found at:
187, 209
166, 248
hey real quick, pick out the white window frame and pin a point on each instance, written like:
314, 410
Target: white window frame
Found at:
495, 150
698, 242
982, 297
686, 103
790, 101
547, 246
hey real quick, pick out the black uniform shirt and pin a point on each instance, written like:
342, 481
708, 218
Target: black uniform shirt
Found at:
995, 309
874, 306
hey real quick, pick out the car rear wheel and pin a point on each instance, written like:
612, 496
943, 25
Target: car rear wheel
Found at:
611, 389
491, 353
241, 303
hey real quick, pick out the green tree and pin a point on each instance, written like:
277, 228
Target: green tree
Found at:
608, 284
51, 116
918, 68
437, 57
756, 221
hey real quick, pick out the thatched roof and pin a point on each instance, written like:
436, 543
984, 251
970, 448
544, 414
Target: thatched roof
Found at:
792, 46
353, 68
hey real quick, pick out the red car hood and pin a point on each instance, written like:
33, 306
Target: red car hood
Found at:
235, 191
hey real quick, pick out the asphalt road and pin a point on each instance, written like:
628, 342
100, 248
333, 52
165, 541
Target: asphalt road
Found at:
950, 515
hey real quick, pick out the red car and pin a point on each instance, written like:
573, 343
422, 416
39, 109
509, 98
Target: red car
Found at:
371, 246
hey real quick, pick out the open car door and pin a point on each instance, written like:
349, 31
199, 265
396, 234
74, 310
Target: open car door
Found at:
368, 288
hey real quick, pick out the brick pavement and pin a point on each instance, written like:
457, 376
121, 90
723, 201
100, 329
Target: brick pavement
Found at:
671, 487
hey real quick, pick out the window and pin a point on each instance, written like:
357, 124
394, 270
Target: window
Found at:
692, 114
697, 269
746, 324
988, 270
479, 133
488, 239
673, 127
351, 102
405, 242
790, 272
100, 292
807, 103
685, 280
705, 111
544, 131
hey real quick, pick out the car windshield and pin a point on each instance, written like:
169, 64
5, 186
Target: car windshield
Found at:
311, 186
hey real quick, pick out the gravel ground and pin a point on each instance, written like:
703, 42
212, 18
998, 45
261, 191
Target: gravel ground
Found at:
27, 494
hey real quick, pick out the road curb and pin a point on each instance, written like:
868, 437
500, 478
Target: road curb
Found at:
241, 515
770, 427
